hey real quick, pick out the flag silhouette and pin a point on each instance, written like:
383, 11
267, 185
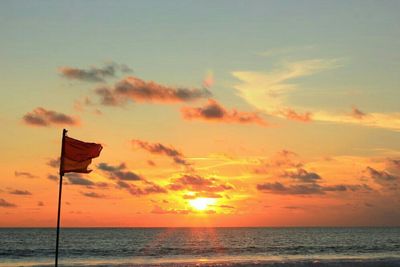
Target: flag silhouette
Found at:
77, 155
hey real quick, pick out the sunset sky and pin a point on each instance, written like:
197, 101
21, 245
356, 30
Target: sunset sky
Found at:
211, 113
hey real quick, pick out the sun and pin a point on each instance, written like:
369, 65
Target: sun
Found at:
201, 203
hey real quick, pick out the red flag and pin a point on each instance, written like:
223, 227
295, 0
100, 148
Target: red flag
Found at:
77, 155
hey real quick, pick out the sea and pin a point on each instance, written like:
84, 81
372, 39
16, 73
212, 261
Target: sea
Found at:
202, 247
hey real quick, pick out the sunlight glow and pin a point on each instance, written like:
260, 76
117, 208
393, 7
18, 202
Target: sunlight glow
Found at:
201, 203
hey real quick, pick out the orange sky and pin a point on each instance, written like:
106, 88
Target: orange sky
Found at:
210, 114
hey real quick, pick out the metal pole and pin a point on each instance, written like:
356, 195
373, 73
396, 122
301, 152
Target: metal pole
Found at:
59, 194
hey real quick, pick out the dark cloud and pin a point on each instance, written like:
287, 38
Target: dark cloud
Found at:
109, 168
160, 210
118, 172
308, 188
151, 163
93, 195
300, 189
94, 74
160, 149
302, 175
290, 114
293, 207
53, 177
205, 187
357, 114
383, 178
137, 90
20, 192
43, 117
213, 111
5, 204
24, 174
77, 179
54, 163
151, 188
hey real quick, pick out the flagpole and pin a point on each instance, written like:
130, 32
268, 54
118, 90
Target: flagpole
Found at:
59, 193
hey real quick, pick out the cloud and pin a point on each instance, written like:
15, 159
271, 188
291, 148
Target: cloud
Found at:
302, 175
281, 159
137, 90
123, 178
43, 117
118, 172
54, 163
203, 195
279, 188
24, 174
159, 210
213, 111
383, 178
151, 163
6, 204
390, 121
308, 188
356, 113
109, 168
201, 186
160, 149
269, 91
94, 74
20, 192
77, 179
93, 195
290, 114
151, 188
52, 177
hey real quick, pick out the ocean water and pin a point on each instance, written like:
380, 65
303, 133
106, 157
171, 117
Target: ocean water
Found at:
202, 247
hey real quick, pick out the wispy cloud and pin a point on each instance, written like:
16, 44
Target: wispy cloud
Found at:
20, 192
54, 163
384, 178
308, 188
94, 74
93, 195
24, 174
357, 113
215, 112
137, 90
373, 119
199, 186
77, 179
291, 114
161, 149
302, 175
269, 91
43, 117
118, 172
160, 210
150, 188
5, 204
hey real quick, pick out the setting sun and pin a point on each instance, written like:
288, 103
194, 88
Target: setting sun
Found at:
201, 203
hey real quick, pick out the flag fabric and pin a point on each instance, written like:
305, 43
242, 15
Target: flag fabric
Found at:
77, 155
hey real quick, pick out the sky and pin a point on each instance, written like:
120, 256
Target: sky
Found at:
210, 113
